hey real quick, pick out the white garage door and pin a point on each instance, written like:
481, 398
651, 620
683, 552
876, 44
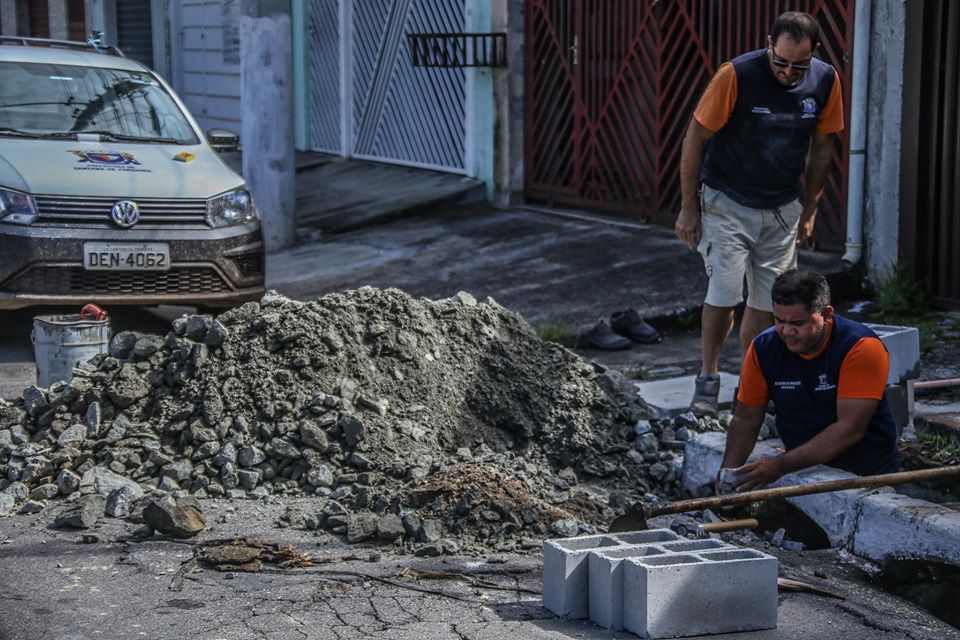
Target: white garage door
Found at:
362, 79
205, 59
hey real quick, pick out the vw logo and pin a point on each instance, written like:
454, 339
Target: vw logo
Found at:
125, 213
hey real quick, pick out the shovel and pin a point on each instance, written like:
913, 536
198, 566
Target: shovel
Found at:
635, 519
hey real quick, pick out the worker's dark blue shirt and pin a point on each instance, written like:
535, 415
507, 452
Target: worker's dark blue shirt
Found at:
759, 155
804, 393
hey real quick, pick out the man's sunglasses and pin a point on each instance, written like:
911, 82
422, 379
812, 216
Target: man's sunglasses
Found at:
783, 64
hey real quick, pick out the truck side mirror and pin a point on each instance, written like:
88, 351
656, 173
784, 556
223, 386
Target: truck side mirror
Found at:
223, 140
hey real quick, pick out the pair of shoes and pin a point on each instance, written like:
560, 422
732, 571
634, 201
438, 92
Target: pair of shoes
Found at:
602, 338
706, 393
631, 325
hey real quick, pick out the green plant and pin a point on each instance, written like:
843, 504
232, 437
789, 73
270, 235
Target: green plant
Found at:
943, 447
900, 296
561, 334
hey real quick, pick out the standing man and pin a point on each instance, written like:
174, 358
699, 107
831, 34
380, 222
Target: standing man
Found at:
766, 119
826, 376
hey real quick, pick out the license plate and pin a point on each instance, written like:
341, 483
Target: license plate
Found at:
110, 256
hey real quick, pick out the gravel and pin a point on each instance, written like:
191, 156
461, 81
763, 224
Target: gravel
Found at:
439, 425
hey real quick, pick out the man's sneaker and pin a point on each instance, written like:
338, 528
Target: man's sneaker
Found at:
706, 395
630, 324
601, 337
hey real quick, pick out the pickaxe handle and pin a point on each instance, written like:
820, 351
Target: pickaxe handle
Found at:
730, 525
780, 493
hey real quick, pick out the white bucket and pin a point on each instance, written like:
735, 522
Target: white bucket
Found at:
62, 342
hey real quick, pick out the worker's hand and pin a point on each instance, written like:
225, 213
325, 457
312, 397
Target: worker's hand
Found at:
805, 227
687, 227
759, 473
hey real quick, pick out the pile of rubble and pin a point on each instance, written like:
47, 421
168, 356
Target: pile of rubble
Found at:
408, 420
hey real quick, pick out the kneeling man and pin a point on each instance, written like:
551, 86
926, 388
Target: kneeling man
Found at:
826, 376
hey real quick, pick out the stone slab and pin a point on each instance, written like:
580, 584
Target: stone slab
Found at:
672, 395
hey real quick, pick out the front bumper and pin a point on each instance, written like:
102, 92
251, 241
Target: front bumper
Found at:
208, 267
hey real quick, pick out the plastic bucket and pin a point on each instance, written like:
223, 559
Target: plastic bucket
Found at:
62, 342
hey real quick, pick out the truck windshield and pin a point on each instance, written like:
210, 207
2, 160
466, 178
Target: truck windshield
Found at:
59, 101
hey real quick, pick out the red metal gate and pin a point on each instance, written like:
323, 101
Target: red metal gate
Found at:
611, 86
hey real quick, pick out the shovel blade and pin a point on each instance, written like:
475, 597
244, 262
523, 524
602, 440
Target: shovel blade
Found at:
629, 521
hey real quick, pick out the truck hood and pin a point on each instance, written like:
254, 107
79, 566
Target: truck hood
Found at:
113, 169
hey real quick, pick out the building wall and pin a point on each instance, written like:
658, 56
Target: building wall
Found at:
57, 11
8, 17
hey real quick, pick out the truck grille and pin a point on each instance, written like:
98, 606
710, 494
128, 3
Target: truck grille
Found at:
154, 212
76, 280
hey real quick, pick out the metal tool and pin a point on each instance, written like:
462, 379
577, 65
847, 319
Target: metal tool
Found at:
688, 527
635, 519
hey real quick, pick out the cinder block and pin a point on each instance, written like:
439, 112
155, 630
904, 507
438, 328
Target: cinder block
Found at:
649, 536
566, 571
686, 546
903, 344
722, 591
606, 582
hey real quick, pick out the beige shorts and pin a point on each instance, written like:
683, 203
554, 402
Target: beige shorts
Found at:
738, 241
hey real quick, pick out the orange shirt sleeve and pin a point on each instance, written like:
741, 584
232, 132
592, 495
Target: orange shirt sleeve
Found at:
863, 373
831, 118
753, 386
716, 103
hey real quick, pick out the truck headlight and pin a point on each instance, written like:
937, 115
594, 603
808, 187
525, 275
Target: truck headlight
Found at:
17, 207
231, 208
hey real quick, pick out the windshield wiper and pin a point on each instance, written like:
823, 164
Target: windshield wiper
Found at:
17, 132
110, 136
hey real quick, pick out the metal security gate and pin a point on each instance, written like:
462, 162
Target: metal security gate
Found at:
930, 178
323, 32
611, 86
368, 100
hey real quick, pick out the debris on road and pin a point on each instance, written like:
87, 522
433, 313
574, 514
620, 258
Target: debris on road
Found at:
411, 421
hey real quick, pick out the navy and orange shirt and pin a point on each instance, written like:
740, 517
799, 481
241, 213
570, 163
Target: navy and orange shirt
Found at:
763, 128
851, 363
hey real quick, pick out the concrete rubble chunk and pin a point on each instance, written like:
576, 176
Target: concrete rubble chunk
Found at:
92, 419
45, 492
35, 400
121, 344
362, 527
7, 504
83, 514
180, 519
390, 528
120, 501
146, 346
353, 430
102, 481
72, 436
197, 327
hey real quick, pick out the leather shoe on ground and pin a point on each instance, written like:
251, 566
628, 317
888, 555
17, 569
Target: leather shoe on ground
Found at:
630, 324
601, 337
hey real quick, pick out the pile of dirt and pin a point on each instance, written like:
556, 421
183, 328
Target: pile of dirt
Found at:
411, 420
